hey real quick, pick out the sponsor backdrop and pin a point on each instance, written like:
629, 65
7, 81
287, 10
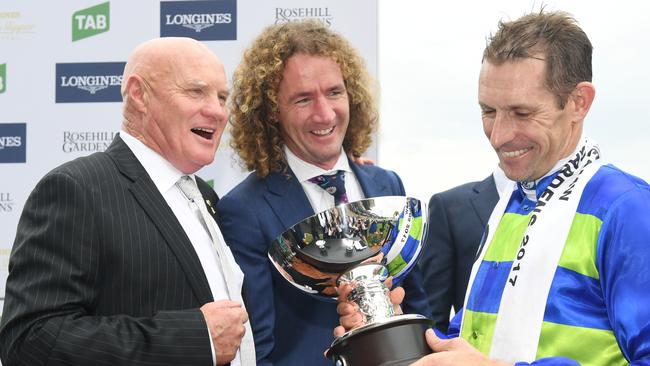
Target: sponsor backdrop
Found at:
61, 68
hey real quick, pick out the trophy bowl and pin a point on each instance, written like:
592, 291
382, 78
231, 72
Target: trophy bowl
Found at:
361, 243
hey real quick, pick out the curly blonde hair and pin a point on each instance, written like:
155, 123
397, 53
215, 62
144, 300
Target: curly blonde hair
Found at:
255, 135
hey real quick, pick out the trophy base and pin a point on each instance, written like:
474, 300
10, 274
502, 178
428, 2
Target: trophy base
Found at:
396, 341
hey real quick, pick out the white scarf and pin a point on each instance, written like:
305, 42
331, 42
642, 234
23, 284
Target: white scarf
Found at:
521, 311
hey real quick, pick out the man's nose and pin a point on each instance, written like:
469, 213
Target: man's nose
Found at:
323, 110
216, 108
502, 129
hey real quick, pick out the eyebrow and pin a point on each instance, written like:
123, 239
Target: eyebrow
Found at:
509, 108
298, 95
203, 85
197, 84
337, 86
302, 94
484, 106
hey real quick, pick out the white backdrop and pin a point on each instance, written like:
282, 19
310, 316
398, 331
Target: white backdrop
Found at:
429, 61
35, 36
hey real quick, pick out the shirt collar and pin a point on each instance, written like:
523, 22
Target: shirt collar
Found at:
533, 189
304, 170
163, 174
500, 180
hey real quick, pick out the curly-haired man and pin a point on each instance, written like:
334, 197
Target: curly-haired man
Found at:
301, 103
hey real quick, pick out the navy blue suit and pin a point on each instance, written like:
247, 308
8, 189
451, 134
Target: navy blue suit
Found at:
457, 218
290, 327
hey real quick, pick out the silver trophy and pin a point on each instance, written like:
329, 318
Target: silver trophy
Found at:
361, 243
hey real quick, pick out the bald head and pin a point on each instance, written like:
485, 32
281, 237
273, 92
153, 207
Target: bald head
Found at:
158, 57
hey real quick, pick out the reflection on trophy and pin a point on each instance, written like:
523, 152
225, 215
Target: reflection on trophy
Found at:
361, 243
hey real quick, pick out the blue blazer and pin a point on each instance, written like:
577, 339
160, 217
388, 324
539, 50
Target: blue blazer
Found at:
291, 327
457, 218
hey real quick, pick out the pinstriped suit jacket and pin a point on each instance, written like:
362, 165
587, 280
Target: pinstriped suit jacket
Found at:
102, 273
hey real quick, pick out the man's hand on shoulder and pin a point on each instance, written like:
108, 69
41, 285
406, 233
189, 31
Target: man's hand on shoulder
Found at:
360, 160
225, 321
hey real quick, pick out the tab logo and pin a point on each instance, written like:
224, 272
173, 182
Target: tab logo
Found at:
91, 21
12, 142
202, 20
89, 82
3, 78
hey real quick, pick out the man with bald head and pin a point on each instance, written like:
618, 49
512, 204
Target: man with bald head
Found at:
114, 262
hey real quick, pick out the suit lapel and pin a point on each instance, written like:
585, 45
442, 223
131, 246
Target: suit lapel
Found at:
210, 198
371, 186
287, 198
290, 203
484, 199
146, 194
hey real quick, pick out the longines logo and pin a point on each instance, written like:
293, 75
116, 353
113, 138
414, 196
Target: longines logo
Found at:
199, 22
86, 141
89, 82
284, 15
202, 20
91, 21
12, 142
6, 202
11, 26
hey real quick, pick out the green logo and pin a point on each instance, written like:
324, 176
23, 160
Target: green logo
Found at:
90, 21
211, 183
3, 78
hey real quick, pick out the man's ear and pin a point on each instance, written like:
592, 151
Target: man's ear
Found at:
582, 97
137, 92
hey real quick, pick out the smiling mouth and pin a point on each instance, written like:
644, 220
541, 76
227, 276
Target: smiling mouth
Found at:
206, 133
516, 153
325, 132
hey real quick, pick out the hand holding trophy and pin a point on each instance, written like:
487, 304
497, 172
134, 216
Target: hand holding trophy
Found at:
361, 244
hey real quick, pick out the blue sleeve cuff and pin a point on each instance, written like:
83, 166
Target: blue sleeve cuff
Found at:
550, 361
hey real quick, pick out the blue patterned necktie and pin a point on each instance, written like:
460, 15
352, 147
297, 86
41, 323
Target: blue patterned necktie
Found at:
333, 184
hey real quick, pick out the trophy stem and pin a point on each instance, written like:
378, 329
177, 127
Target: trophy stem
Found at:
369, 291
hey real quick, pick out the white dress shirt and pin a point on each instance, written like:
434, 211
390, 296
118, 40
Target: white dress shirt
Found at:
500, 181
319, 199
164, 176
